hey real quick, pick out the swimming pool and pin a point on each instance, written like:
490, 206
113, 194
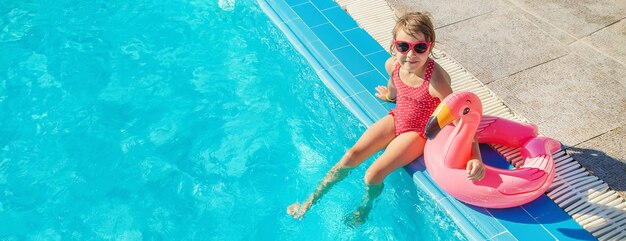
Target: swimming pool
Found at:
176, 120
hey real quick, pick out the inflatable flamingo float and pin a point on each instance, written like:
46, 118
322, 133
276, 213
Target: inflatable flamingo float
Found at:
449, 148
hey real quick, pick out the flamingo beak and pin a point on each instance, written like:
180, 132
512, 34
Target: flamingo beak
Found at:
441, 117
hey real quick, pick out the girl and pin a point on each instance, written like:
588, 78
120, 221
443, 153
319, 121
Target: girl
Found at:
417, 85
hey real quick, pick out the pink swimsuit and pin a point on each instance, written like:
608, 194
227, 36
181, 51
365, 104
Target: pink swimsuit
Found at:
414, 105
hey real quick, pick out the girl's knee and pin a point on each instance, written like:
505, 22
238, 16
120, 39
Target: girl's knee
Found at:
373, 176
351, 158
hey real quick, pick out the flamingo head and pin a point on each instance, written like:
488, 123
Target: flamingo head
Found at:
458, 105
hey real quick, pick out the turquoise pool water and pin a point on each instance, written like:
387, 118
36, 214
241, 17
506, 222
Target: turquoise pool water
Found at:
176, 120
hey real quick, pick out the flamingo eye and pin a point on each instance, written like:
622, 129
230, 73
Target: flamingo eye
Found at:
466, 110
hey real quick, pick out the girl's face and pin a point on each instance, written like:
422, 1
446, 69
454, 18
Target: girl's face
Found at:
407, 48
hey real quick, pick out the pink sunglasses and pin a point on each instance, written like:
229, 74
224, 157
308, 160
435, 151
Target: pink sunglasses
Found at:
403, 46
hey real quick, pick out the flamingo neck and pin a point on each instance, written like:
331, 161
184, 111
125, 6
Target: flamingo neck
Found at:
459, 145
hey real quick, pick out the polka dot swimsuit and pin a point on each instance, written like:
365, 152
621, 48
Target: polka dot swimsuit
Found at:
414, 105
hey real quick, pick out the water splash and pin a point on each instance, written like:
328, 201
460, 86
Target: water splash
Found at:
15, 25
227, 5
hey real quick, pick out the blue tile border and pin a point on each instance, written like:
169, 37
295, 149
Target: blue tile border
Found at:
378, 60
323, 4
369, 80
353, 60
294, 2
309, 14
367, 45
339, 18
351, 63
329, 35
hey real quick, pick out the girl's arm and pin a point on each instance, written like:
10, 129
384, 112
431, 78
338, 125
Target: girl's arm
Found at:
388, 93
440, 83
440, 86
475, 167
391, 87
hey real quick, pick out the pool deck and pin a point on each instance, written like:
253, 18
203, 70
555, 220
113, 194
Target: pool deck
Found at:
550, 76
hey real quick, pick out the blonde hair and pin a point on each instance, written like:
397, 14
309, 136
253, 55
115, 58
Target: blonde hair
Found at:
414, 23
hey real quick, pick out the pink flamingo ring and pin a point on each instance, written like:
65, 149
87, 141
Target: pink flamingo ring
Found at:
449, 148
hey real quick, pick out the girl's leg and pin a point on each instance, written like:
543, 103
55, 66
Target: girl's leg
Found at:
375, 138
400, 152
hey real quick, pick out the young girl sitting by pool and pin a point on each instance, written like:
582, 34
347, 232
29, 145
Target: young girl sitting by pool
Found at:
417, 85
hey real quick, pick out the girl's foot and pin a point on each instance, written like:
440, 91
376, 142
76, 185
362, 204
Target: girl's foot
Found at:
298, 210
293, 208
359, 216
355, 219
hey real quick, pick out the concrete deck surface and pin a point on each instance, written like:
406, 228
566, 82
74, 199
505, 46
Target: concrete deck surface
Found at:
561, 64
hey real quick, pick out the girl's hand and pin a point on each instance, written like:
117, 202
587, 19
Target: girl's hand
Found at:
475, 170
382, 92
